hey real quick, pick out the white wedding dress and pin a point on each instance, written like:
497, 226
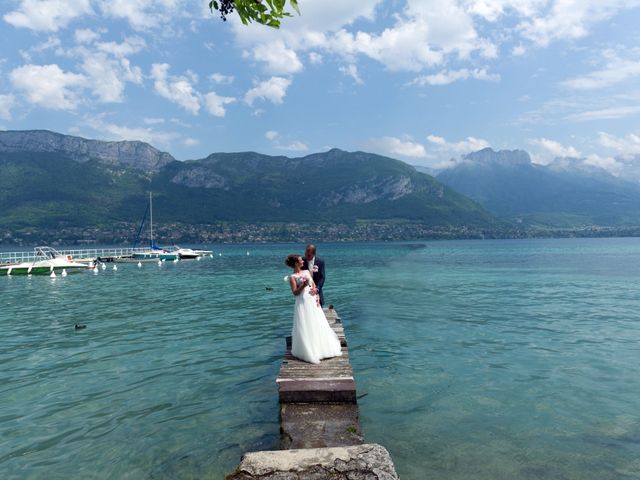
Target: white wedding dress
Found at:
312, 339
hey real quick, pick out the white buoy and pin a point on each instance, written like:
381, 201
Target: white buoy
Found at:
247, 253
53, 274
115, 267
175, 260
159, 263
198, 258
95, 269
104, 266
139, 264
219, 254
286, 278
64, 272
9, 271
29, 270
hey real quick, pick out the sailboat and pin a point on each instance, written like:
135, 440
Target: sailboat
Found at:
155, 252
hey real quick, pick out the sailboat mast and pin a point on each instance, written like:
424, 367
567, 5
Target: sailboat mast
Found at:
151, 217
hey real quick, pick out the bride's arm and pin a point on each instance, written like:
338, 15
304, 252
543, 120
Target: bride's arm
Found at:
295, 288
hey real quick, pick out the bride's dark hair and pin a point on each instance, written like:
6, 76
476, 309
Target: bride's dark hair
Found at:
291, 260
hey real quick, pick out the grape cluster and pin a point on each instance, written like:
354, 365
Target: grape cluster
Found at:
225, 7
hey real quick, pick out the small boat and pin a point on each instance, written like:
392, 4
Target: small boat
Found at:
46, 261
189, 253
185, 253
156, 253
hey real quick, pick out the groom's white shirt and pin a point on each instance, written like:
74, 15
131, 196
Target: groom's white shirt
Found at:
311, 264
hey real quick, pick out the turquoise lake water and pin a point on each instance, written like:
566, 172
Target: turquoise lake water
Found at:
479, 360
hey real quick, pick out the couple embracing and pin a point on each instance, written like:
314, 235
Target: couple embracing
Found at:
312, 339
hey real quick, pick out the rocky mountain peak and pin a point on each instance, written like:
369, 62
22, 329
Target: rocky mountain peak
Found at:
133, 154
505, 158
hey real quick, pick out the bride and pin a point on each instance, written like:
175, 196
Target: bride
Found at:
312, 339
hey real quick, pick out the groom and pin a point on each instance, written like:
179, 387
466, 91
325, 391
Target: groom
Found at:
315, 266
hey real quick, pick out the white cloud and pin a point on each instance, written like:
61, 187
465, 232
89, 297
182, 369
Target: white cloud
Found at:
273, 90
351, 70
106, 82
303, 31
215, 104
86, 35
454, 149
278, 59
190, 142
518, 50
626, 146
446, 77
294, 147
47, 15
395, 146
50, 43
176, 89
112, 131
616, 70
424, 34
221, 79
448, 153
129, 46
153, 121
551, 149
49, 86
7, 102
108, 77
612, 165
570, 19
436, 140
271, 135
104, 64
315, 58
610, 113
143, 14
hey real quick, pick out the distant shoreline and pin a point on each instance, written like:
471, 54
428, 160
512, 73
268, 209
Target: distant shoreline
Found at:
122, 233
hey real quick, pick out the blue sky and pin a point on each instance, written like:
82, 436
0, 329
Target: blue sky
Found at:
422, 81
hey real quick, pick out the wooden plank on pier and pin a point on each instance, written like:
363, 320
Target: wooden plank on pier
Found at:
330, 381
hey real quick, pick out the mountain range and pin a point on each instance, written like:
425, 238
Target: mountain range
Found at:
562, 194
48, 180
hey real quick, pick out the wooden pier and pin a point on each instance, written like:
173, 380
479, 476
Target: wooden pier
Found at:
319, 424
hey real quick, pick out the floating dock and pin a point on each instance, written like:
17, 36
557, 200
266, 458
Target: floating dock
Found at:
319, 424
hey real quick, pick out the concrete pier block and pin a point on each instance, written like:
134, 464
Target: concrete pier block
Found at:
358, 462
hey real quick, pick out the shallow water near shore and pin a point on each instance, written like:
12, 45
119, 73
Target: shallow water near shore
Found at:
479, 360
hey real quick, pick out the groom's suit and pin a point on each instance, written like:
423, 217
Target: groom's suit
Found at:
317, 274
